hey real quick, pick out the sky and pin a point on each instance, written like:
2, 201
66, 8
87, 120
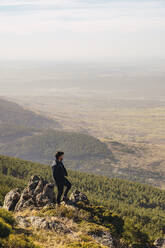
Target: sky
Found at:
82, 30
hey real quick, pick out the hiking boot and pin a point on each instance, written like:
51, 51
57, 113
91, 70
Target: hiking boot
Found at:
65, 199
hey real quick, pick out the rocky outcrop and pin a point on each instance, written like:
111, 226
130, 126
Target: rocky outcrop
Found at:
11, 199
78, 196
38, 193
159, 243
46, 223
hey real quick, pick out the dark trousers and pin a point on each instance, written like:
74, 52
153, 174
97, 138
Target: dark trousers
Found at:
60, 187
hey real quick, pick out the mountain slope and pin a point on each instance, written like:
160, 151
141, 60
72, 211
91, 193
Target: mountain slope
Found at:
10, 133
76, 146
80, 149
13, 114
141, 206
25, 134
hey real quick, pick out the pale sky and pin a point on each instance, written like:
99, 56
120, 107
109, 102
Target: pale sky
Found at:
90, 30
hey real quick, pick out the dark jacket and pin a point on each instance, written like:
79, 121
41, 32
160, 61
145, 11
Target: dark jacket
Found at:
59, 172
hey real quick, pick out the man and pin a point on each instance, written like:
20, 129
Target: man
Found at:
59, 175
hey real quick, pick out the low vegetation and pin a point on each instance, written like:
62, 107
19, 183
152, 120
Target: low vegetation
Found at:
137, 209
77, 146
10, 236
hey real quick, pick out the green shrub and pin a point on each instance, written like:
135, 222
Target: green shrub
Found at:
7, 216
84, 215
20, 241
85, 238
61, 211
133, 235
2, 243
92, 228
139, 204
5, 229
102, 216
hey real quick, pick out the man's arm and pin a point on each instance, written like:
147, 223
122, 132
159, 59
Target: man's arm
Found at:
65, 171
55, 171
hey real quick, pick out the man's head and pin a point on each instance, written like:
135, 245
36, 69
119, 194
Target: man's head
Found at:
59, 155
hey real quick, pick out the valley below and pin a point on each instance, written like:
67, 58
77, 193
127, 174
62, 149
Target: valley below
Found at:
132, 128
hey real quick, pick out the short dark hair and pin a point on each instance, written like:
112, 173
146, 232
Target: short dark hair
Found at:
58, 154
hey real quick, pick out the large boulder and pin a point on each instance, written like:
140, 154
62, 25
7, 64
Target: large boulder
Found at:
38, 193
11, 199
78, 196
159, 243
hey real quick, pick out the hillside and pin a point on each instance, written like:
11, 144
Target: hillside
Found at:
27, 135
82, 152
10, 133
140, 206
13, 114
42, 147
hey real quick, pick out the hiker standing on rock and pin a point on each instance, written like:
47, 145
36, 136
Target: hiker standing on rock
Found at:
59, 175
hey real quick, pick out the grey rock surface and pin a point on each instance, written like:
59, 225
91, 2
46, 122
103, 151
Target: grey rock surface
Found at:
160, 243
11, 199
78, 196
23, 222
38, 193
104, 238
46, 223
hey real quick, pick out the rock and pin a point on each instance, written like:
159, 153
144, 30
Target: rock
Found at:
23, 222
46, 223
38, 193
159, 243
78, 196
11, 199
43, 223
34, 178
46, 197
39, 223
105, 239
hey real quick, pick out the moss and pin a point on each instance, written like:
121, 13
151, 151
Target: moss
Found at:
61, 211
92, 228
5, 229
7, 216
20, 241
85, 238
2, 243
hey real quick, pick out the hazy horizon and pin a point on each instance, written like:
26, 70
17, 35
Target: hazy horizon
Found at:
48, 78
48, 46
107, 30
